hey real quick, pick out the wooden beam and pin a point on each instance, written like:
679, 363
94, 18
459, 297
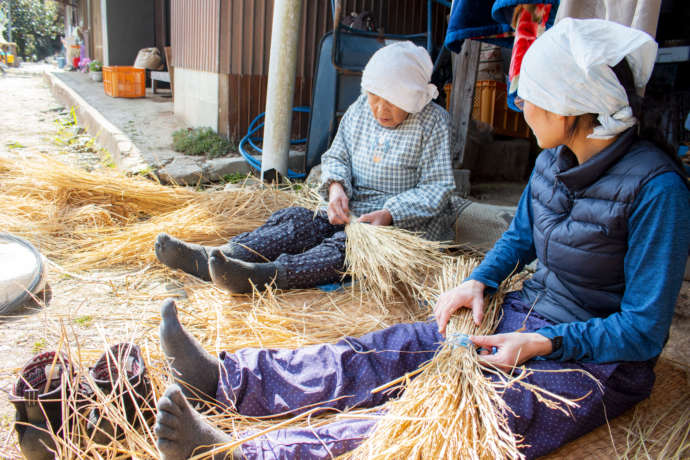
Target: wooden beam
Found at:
159, 25
462, 96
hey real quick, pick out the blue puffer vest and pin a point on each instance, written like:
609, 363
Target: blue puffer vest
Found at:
580, 226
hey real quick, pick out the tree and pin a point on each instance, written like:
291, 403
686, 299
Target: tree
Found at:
36, 26
3, 25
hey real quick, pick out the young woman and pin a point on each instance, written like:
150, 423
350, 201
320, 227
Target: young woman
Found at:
389, 164
605, 213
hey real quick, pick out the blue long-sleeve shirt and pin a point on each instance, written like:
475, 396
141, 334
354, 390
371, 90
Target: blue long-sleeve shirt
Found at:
658, 241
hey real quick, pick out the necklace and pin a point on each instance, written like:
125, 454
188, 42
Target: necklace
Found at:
379, 149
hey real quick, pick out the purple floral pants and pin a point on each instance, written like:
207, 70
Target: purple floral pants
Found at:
306, 248
260, 382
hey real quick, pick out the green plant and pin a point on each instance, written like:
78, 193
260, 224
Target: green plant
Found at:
15, 145
146, 172
201, 141
235, 178
84, 320
39, 345
36, 26
66, 123
107, 160
95, 66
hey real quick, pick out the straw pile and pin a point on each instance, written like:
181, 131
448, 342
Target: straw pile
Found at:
287, 319
109, 219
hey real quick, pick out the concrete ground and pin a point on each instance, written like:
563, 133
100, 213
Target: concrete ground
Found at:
148, 122
138, 132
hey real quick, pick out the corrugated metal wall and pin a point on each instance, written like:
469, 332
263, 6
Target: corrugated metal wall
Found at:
248, 35
242, 44
245, 50
194, 34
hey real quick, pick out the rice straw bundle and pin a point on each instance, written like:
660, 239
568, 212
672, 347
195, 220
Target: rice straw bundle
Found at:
390, 262
451, 410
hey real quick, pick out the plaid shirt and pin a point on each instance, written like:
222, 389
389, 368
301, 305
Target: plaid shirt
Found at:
406, 170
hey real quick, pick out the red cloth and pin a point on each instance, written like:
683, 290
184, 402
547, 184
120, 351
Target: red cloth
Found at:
529, 21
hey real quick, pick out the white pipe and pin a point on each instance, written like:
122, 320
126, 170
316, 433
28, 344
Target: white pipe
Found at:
104, 26
282, 70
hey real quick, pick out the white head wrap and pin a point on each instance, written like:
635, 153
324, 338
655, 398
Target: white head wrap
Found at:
400, 74
567, 71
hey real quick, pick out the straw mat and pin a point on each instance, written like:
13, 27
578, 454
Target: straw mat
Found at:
666, 405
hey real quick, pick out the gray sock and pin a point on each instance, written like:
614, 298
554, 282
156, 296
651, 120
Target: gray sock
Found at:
192, 365
188, 257
238, 276
182, 432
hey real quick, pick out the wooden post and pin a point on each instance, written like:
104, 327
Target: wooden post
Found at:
462, 96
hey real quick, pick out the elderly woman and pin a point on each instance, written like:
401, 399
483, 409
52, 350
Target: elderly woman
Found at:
389, 164
605, 213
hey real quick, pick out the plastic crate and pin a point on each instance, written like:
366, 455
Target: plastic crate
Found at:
124, 81
490, 106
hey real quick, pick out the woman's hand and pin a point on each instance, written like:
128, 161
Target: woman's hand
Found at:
338, 210
469, 294
512, 349
380, 217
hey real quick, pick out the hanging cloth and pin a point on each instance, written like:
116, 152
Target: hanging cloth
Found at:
488, 21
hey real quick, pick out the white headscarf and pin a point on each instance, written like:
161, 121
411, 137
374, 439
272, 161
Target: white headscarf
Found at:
400, 74
567, 71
